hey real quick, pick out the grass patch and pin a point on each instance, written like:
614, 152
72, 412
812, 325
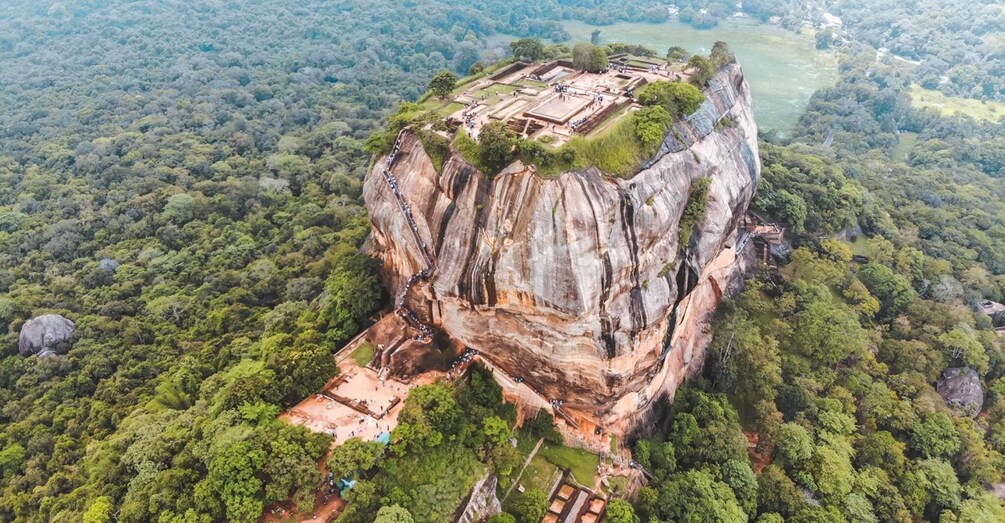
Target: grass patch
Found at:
860, 246
955, 105
618, 485
582, 464
450, 109
363, 354
905, 144
612, 122
525, 442
539, 474
469, 149
437, 148
532, 84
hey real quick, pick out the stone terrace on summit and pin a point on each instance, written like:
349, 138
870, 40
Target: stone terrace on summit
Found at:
552, 101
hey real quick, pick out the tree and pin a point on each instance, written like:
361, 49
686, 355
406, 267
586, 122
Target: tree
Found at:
962, 348
12, 459
291, 465
502, 517
893, 290
353, 292
827, 332
651, 125
354, 456
589, 57
794, 448
678, 98
595, 37
100, 511
443, 83
476, 68
621, 511
430, 413
677, 54
696, 496
880, 449
180, 208
721, 55
531, 506
935, 437
776, 492
301, 368
700, 69
825, 39
497, 142
393, 514
530, 49
741, 479
832, 472
233, 481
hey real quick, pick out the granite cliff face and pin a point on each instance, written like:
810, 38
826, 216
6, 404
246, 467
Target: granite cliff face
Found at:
576, 283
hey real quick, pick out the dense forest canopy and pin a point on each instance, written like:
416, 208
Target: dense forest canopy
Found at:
182, 180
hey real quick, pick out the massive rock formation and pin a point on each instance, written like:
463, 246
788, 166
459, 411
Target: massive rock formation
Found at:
45, 335
576, 283
961, 388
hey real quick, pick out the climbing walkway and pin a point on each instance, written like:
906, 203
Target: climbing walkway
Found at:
744, 238
401, 306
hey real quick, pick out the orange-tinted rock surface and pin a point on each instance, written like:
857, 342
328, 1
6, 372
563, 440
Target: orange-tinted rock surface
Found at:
577, 283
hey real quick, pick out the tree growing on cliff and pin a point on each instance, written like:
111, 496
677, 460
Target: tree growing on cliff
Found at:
651, 124
678, 98
443, 83
721, 55
701, 70
497, 142
693, 211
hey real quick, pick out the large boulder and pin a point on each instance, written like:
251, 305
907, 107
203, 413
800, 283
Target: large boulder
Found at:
961, 388
45, 335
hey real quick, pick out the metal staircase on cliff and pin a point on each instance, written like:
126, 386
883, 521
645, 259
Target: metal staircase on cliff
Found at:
401, 307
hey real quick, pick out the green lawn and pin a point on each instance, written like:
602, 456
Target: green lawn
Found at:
363, 354
539, 474
450, 109
860, 246
581, 463
525, 443
618, 485
905, 144
954, 105
493, 94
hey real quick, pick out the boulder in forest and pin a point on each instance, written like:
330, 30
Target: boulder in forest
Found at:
108, 264
781, 251
961, 388
45, 335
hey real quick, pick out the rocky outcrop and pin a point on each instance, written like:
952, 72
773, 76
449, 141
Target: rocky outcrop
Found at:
482, 503
45, 335
576, 283
961, 388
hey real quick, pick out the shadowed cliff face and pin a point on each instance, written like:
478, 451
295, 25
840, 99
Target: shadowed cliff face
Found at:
577, 283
